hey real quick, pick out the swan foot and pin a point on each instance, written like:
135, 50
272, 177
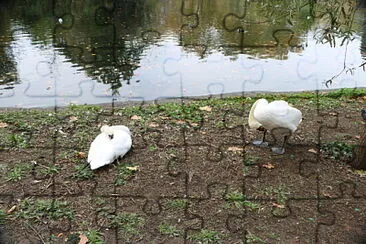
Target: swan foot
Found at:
260, 143
278, 150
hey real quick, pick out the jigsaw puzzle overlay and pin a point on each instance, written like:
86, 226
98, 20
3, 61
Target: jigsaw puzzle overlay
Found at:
193, 174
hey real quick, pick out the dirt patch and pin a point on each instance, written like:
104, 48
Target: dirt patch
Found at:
196, 176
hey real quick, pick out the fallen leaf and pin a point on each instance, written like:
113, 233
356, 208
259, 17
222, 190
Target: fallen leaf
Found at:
60, 235
278, 205
132, 168
136, 117
206, 108
81, 154
235, 149
180, 122
83, 239
313, 151
364, 97
361, 173
153, 125
357, 137
12, 209
73, 119
268, 166
3, 124
333, 113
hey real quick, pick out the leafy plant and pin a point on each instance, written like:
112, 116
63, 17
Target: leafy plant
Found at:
238, 200
125, 171
39, 209
177, 203
94, 237
2, 217
337, 150
253, 238
128, 223
83, 172
18, 172
281, 193
49, 170
170, 230
19, 140
206, 236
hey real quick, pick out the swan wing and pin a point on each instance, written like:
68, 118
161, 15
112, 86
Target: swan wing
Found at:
121, 142
252, 121
101, 152
278, 114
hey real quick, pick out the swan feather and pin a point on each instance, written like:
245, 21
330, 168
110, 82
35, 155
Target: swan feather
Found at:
276, 114
113, 142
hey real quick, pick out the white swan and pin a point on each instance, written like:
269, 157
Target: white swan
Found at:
276, 115
112, 143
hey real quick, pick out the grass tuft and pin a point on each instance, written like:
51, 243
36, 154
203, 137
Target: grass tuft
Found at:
18, 172
41, 209
128, 224
169, 230
206, 236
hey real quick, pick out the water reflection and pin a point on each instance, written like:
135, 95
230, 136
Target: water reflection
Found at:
56, 52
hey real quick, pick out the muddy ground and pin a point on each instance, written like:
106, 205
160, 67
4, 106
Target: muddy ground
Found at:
193, 175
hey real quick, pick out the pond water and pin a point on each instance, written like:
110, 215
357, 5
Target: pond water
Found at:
57, 52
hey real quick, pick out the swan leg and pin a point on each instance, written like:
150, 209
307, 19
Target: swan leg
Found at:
261, 143
280, 150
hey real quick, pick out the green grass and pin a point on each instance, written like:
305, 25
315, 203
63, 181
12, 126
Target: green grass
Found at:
281, 193
40, 209
127, 223
169, 230
3, 216
338, 150
94, 237
19, 140
82, 172
125, 171
18, 172
206, 236
253, 238
49, 170
238, 200
177, 204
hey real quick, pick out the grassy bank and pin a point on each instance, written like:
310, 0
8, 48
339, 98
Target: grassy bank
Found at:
43, 153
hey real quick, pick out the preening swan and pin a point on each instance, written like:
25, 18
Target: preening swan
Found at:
276, 115
113, 142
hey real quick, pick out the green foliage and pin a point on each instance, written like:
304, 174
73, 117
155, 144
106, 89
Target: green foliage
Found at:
18, 172
338, 150
128, 223
19, 140
238, 200
281, 193
253, 238
170, 230
82, 172
3, 216
40, 209
125, 171
177, 203
206, 236
94, 237
49, 170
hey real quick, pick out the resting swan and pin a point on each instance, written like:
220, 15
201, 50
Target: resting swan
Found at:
113, 142
272, 116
